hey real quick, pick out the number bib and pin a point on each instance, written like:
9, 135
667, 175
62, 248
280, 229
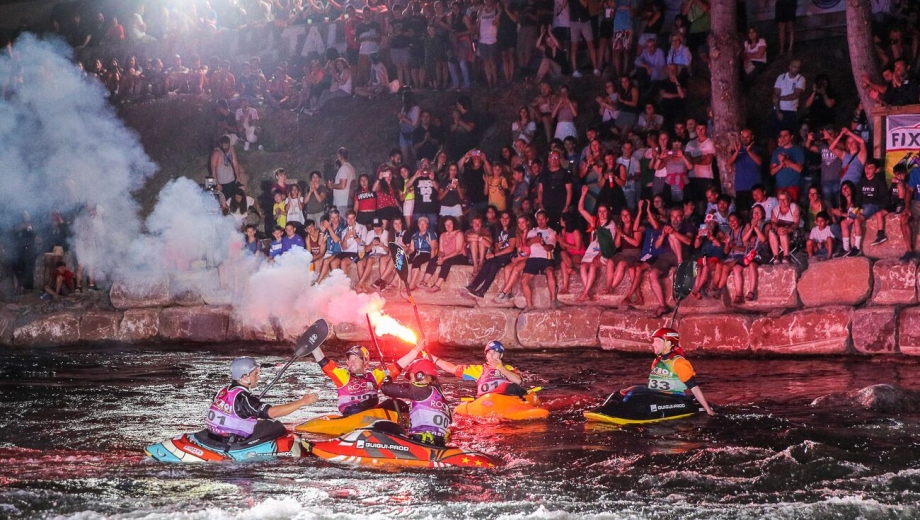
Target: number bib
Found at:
222, 418
491, 380
431, 415
663, 377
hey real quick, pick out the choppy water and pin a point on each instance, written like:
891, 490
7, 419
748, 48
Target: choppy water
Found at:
74, 423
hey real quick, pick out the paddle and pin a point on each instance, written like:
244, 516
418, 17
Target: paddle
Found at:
401, 263
306, 343
370, 327
684, 280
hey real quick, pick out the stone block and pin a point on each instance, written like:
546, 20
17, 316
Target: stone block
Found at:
189, 288
144, 291
200, 324
842, 281
100, 325
722, 333
139, 325
47, 330
628, 331
776, 288
896, 245
909, 331
873, 330
894, 283
565, 327
809, 331
461, 327
238, 330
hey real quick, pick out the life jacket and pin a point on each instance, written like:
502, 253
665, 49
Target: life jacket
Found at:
360, 393
663, 377
491, 380
222, 418
431, 415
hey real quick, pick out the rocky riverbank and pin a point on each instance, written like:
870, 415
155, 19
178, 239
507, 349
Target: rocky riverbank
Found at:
863, 305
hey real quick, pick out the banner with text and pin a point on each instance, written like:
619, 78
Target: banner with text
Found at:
902, 142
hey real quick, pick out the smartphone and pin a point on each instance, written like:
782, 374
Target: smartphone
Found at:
475, 153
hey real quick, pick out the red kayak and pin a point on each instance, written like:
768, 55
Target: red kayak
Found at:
385, 444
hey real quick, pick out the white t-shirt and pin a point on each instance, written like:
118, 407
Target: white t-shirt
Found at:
561, 14
241, 116
767, 206
488, 33
697, 149
381, 249
820, 235
350, 244
786, 86
538, 250
342, 197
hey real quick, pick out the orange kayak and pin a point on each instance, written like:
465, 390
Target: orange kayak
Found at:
338, 425
508, 407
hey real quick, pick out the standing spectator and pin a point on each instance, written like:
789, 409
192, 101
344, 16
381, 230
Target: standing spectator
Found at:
581, 29
426, 139
365, 201
408, 119
388, 208
528, 22
554, 189
488, 20
627, 104
821, 103
541, 241
853, 156
315, 197
747, 158
343, 188
508, 18
368, 36
78, 37
622, 26
786, 164
461, 30
225, 168
475, 168
89, 230
565, 112
784, 16
451, 193
137, 29
787, 90
425, 200
701, 152
697, 13
524, 128
831, 165
115, 33
497, 186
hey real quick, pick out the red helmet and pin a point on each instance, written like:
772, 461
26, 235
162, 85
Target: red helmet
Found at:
668, 334
420, 368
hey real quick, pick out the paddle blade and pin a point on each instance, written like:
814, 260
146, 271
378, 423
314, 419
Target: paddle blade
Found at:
400, 261
312, 338
684, 279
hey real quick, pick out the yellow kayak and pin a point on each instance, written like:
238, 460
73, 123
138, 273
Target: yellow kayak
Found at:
339, 425
509, 407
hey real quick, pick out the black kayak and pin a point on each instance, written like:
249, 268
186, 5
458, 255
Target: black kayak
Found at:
642, 405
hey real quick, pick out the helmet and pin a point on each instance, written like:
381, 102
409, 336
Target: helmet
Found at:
358, 350
242, 366
668, 334
420, 368
496, 346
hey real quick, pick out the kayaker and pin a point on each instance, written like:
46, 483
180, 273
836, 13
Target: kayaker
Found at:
671, 372
236, 415
429, 412
491, 377
356, 385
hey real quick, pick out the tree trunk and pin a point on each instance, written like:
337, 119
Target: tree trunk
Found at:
862, 50
727, 105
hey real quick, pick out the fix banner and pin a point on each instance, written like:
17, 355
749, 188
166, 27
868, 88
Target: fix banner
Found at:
902, 142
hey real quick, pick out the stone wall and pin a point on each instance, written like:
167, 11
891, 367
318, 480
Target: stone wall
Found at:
842, 306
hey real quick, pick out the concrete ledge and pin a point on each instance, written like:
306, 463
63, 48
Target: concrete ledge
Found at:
809, 331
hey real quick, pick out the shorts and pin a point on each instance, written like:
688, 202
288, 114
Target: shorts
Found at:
581, 30
537, 265
785, 11
350, 256
628, 256
366, 218
622, 40
870, 209
400, 57
487, 51
605, 29
665, 262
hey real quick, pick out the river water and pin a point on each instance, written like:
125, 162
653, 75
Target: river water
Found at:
75, 422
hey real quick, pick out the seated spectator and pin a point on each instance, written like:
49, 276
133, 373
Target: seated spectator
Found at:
649, 120
352, 238
591, 258
759, 194
900, 89
541, 241
177, 76
572, 249
291, 239
627, 104
785, 227
554, 62
515, 267
820, 243
451, 252
115, 33
63, 282
814, 204
628, 241
375, 249
651, 64
875, 193
132, 79
251, 243
850, 217
341, 86
280, 90
735, 251
541, 109
423, 248
501, 254
247, 119
277, 246
223, 82
397, 234
756, 241
754, 60
675, 236
679, 55
244, 210
711, 242
315, 243
379, 81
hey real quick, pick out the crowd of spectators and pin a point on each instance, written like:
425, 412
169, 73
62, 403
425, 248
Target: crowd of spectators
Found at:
636, 190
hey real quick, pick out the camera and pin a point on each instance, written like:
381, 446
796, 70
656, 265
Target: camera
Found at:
475, 153
210, 183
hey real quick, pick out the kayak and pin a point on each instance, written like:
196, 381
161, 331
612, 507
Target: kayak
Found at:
339, 425
642, 405
384, 444
200, 447
509, 407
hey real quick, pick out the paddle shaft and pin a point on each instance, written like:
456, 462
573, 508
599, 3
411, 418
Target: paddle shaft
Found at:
275, 380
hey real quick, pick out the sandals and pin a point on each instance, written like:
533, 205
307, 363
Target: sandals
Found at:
750, 296
738, 300
423, 284
434, 288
